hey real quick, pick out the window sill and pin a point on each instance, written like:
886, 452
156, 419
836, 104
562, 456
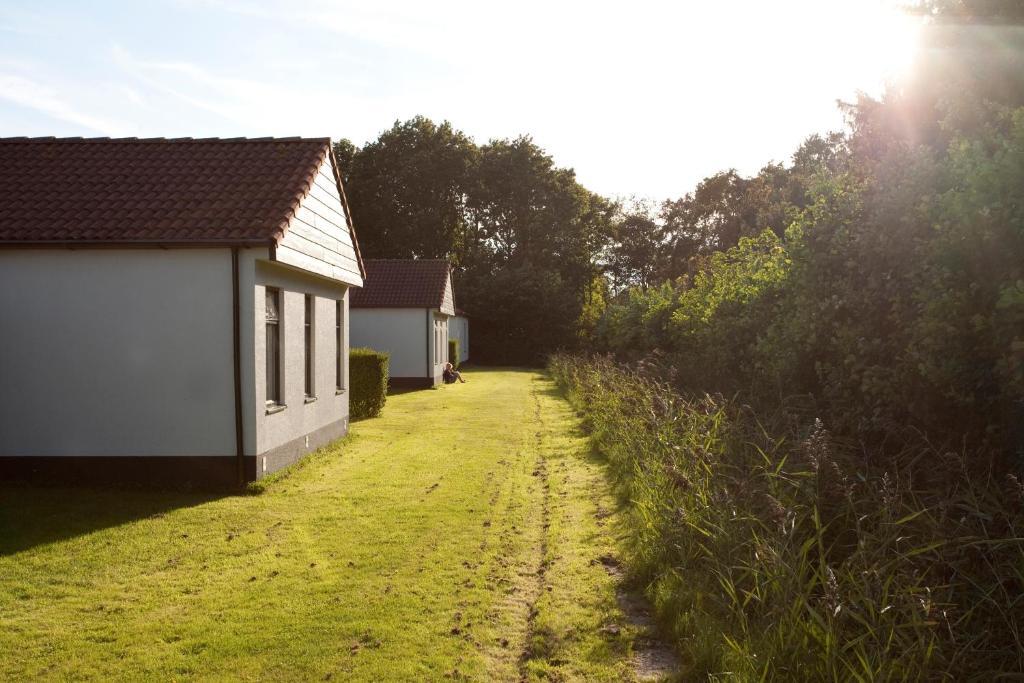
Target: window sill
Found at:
339, 392
275, 408
309, 399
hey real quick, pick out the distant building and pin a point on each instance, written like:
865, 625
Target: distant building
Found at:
172, 310
405, 308
458, 328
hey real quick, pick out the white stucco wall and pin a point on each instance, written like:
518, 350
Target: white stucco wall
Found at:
299, 418
401, 332
116, 353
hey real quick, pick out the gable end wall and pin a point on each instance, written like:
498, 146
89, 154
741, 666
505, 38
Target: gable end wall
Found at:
318, 239
448, 302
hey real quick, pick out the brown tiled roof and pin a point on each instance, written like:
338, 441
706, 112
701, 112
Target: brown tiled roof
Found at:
402, 283
153, 191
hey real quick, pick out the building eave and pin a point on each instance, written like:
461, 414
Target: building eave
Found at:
133, 244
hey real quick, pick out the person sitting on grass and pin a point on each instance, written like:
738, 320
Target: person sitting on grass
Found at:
450, 374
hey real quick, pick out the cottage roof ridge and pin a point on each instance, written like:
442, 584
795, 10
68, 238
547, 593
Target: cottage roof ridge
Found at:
406, 283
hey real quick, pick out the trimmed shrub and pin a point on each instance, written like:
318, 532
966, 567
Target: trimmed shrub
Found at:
368, 379
453, 352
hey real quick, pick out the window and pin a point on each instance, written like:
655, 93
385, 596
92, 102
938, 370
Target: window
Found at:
440, 343
437, 342
338, 383
308, 325
273, 325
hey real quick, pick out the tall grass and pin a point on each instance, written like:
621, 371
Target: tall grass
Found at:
772, 551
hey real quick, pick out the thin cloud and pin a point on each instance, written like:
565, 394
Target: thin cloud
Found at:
405, 25
643, 98
155, 75
256, 107
44, 99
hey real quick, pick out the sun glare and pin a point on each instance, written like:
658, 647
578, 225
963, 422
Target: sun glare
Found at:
880, 42
892, 41
836, 45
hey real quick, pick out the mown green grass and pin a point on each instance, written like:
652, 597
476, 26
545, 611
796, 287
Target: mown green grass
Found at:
454, 537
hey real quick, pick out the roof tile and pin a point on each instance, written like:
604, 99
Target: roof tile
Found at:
402, 283
153, 190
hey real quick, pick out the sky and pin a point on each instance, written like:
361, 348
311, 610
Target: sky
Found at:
640, 98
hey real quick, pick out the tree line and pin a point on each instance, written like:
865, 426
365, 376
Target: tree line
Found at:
878, 278
523, 236
879, 272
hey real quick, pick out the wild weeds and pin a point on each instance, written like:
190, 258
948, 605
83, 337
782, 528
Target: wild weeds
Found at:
772, 552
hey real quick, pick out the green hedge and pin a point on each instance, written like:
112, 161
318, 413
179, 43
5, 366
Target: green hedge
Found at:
368, 375
453, 352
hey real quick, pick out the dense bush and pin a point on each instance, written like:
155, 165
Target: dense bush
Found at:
510, 326
895, 298
853, 509
368, 379
775, 551
453, 352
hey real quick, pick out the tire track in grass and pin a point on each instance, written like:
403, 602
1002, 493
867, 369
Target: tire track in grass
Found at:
572, 599
512, 552
584, 625
500, 555
534, 642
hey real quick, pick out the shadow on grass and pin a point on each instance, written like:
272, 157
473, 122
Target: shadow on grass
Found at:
37, 515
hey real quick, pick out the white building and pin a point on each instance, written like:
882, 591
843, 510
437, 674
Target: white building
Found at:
404, 308
458, 328
173, 310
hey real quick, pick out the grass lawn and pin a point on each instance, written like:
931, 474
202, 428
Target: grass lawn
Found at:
458, 536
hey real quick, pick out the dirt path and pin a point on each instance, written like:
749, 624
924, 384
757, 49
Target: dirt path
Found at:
583, 605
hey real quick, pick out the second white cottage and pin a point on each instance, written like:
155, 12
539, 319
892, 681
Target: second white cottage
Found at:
405, 308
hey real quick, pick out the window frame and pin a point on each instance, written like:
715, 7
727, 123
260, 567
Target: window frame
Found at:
309, 347
438, 329
339, 331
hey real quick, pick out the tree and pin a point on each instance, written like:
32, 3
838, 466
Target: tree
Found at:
530, 219
345, 152
520, 312
635, 252
727, 207
528, 210
708, 219
408, 190
496, 212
